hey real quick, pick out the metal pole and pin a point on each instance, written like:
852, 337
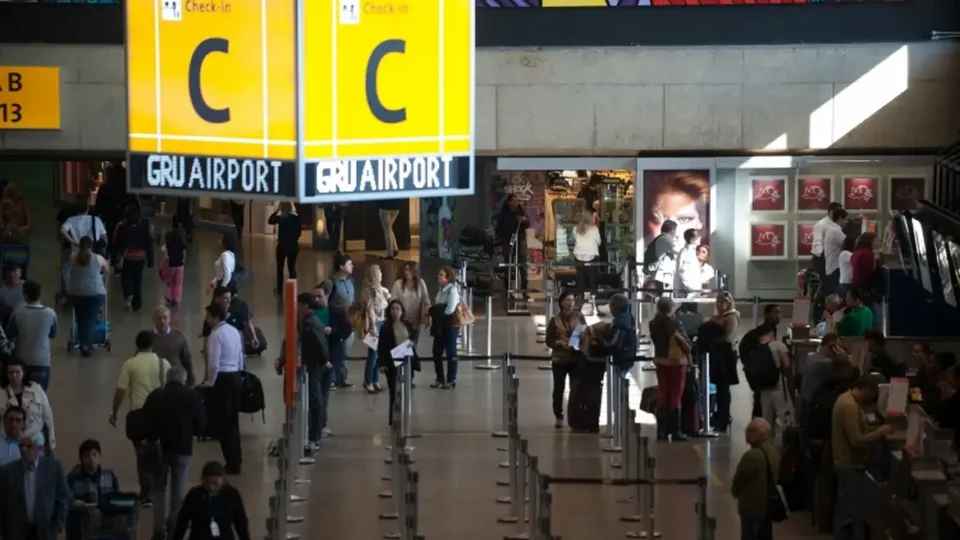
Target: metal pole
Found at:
508, 373
407, 395
551, 311
641, 449
651, 510
518, 508
611, 389
306, 452
513, 417
287, 454
707, 431
756, 310
513, 450
533, 502
398, 442
402, 511
705, 523
488, 364
885, 315
412, 500
546, 517
468, 331
621, 396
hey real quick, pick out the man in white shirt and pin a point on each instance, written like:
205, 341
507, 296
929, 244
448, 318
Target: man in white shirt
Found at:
833, 238
76, 227
225, 364
819, 229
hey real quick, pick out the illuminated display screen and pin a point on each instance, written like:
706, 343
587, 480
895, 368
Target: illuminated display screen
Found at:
652, 3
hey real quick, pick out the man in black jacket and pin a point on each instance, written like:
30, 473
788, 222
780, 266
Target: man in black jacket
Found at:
174, 415
751, 340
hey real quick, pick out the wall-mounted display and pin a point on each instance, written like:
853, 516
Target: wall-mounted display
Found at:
678, 195
768, 241
768, 193
804, 238
903, 192
861, 193
814, 193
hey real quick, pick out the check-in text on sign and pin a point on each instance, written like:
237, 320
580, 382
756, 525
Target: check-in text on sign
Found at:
377, 104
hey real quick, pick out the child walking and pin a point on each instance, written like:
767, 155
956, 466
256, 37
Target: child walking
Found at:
171, 270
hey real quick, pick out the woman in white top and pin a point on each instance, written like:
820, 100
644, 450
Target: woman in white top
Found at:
586, 248
374, 298
707, 273
30, 397
226, 265
689, 276
846, 266
411, 290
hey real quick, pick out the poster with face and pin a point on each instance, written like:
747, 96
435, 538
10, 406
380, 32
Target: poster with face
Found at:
679, 196
768, 240
860, 193
905, 192
814, 193
526, 190
768, 194
804, 238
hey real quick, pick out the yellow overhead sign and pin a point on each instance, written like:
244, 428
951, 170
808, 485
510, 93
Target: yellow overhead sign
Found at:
388, 78
29, 97
212, 78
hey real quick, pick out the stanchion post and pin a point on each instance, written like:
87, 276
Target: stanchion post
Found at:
518, 495
513, 448
651, 498
513, 417
620, 397
407, 394
508, 374
611, 404
706, 524
756, 310
412, 500
551, 310
488, 364
640, 448
707, 431
533, 497
468, 331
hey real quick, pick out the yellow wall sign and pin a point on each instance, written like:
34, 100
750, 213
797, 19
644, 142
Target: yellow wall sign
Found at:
29, 97
378, 102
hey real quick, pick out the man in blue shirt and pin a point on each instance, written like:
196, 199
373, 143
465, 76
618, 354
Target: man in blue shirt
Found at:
13, 419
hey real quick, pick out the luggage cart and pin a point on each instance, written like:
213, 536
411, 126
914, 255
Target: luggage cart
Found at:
101, 333
115, 520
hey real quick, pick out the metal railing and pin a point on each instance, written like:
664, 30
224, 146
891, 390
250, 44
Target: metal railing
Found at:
404, 490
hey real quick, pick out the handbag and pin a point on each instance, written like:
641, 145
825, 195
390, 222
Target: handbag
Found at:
462, 316
777, 509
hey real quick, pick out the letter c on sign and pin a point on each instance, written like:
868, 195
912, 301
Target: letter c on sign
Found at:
200, 54
383, 114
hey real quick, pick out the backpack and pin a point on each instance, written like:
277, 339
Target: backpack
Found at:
650, 258
252, 399
761, 369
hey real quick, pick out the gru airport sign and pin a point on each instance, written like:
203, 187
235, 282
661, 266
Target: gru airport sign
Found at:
306, 100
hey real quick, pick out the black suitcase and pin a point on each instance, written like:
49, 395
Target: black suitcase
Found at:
248, 348
690, 322
210, 411
648, 399
586, 398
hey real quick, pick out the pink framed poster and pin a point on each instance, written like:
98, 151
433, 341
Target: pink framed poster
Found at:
903, 192
768, 240
804, 238
768, 194
814, 193
861, 193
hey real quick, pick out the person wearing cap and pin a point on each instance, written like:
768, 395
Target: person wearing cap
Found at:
214, 509
89, 484
34, 499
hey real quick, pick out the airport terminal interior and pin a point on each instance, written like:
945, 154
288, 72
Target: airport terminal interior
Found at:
457, 458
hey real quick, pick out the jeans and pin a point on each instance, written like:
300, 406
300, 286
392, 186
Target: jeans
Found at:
851, 492
756, 528
339, 350
86, 311
144, 475
175, 468
371, 375
561, 370
446, 343
318, 401
131, 280
39, 375
290, 257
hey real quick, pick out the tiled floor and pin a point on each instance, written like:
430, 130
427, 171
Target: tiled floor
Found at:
456, 455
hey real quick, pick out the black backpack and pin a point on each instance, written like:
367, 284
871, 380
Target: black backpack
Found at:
650, 258
251, 395
761, 369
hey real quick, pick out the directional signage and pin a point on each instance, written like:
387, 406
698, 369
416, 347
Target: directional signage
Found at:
29, 97
211, 96
357, 100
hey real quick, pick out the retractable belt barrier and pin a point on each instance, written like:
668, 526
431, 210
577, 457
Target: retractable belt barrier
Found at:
530, 500
292, 452
404, 481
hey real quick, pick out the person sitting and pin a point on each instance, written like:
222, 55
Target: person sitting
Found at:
880, 359
89, 484
30, 397
857, 318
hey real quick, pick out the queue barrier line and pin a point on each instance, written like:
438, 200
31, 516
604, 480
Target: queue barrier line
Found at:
404, 490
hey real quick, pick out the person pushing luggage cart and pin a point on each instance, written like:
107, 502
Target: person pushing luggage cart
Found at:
88, 296
72, 230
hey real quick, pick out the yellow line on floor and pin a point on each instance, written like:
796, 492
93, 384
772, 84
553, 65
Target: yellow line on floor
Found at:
698, 449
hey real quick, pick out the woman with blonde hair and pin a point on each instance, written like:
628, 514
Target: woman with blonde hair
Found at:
411, 290
723, 358
374, 298
586, 249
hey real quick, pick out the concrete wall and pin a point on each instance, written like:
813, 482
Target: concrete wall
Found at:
597, 101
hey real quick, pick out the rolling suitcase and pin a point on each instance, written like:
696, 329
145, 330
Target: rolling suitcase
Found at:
586, 397
248, 348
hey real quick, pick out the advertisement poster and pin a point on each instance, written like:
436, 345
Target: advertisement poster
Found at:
804, 239
768, 194
814, 193
860, 193
768, 241
905, 192
438, 224
680, 196
529, 187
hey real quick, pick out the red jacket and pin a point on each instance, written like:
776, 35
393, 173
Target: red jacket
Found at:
864, 267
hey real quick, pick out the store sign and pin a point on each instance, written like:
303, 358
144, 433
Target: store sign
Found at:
29, 97
222, 80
